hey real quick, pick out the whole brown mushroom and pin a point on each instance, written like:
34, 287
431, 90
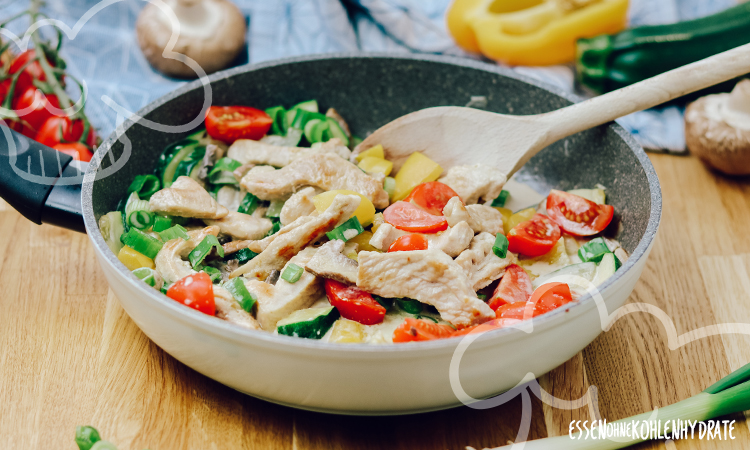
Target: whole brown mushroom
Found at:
211, 32
717, 130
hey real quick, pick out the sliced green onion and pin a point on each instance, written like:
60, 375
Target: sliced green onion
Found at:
481, 296
389, 186
162, 223
593, 250
86, 437
203, 249
237, 288
222, 171
409, 305
249, 204
213, 272
112, 229
347, 230
165, 288
177, 231
501, 199
141, 219
274, 210
276, 227
244, 255
280, 124
292, 273
501, 246
145, 186
135, 204
142, 242
386, 303
730, 395
147, 275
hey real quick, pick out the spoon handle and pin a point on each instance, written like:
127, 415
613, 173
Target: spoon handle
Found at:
647, 93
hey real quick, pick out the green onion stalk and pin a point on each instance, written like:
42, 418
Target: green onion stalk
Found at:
729, 395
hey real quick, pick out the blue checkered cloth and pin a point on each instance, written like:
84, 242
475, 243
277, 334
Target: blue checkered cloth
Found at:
106, 56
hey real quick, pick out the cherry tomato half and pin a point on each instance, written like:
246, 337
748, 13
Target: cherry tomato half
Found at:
56, 130
354, 304
409, 217
514, 286
487, 326
550, 296
421, 330
577, 215
195, 291
75, 149
534, 237
431, 196
409, 242
38, 105
229, 123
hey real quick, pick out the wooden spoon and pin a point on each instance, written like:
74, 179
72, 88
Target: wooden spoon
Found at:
447, 133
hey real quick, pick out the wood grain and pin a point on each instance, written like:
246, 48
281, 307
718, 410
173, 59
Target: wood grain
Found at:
70, 355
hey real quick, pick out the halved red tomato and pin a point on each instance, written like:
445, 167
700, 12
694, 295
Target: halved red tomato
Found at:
408, 243
195, 291
75, 149
577, 215
550, 296
409, 217
431, 196
514, 286
229, 123
354, 304
516, 311
534, 237
421, 330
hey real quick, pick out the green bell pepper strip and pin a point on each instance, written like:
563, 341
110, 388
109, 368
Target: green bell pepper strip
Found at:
237, 288
203, 249
177, 231
142, 242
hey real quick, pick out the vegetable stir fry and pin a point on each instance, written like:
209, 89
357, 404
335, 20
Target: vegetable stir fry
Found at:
266, 219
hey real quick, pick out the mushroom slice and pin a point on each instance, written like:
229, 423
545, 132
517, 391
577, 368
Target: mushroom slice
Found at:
283, 247
169, 261
429, 276
325, 171
452, 241
329, 262
481, 218
187, 198
276, 301
242, 226
481, 264
474, 182
228, 309
299, 204
248, 151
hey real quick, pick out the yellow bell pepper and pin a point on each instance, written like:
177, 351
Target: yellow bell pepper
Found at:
515, 219
364, 212
347, 331
376, 152
506, 214
532, 32
372, 164
417, 169
363, 240
134, 260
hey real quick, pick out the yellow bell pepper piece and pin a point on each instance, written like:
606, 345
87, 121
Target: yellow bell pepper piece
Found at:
364, 212
347, 331
134, 260
416, 170
515, 219
506, 215
532, 32
375, 152
377, 221
373, 164
363, 240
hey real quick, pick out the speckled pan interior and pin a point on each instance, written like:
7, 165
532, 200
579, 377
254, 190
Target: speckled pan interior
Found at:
372, 90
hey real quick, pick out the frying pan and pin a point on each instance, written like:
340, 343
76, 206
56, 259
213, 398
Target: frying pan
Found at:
368, 90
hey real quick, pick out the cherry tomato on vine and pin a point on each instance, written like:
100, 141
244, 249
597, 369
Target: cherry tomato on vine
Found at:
534, 237
75, 149
23, 83
229, 123
577, 215
56, 130
34, 70
38, 105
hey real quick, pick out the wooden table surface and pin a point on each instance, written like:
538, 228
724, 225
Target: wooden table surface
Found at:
69, 354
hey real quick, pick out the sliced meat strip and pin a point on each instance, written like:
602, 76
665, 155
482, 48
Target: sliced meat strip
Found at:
481, 218
248, 151
170, 261
473, 183
330, 262
481, 264
187, 198
242, 226
299, 204
228, 309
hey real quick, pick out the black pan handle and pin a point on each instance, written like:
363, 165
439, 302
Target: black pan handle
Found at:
41, 183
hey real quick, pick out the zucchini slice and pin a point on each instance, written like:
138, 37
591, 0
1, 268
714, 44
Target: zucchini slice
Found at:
585, 270
605, 269
309, 105
171, 159
311, 323
594, 195
336, 131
